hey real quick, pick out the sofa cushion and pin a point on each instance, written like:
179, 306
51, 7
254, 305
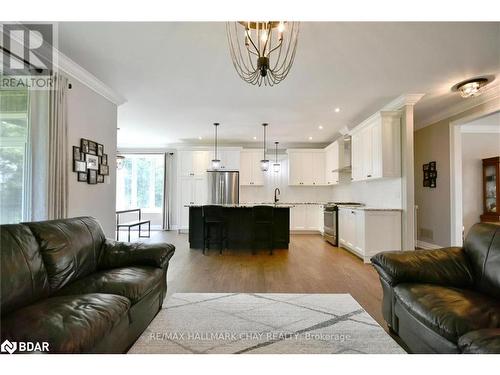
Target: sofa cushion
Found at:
70, 248
23, 274
483, 341
131, 282
70, 324
482, 246
450, 312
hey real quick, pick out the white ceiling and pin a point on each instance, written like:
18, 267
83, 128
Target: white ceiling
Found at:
178, 77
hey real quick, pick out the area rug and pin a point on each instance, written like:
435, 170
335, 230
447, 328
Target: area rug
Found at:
241, 323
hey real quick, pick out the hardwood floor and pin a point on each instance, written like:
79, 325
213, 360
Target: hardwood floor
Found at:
310, 265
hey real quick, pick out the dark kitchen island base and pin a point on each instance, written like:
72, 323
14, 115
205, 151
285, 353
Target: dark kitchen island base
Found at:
239, 226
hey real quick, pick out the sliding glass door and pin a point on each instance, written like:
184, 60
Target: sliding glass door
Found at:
14, 156
140, 184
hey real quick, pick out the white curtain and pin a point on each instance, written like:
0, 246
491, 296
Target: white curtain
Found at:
58, 149
168, 191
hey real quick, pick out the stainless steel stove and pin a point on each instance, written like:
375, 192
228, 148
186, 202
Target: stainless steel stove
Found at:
331, 220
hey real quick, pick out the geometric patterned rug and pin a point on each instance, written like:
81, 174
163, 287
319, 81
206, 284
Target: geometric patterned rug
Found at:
247, 323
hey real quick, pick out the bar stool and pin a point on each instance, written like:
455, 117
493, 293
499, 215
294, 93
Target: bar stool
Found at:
214, 227
263, 226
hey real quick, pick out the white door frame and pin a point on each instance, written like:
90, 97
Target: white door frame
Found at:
456, 211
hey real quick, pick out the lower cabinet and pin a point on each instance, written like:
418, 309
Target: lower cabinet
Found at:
306, 217
368, 232
192, 191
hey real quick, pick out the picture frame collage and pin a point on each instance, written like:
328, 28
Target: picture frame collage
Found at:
90, 163
430, 174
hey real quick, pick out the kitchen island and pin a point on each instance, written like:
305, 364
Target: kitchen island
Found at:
238, 221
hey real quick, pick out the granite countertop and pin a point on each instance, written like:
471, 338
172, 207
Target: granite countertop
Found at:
247, 205
370, 208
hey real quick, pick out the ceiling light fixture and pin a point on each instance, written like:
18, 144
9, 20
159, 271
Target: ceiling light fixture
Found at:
276, 165
337, 110
215, 160
310, 138
262, 51
264, 163
320, 127
471, 87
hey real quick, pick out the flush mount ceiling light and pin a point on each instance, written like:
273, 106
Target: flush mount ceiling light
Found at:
264, 163
471, 87
276, 165
215, 160
262, 51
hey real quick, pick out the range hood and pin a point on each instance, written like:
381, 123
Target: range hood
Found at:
344, 155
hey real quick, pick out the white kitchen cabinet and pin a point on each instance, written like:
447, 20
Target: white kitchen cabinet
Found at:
368, 232
193, 162
376, 147
306, 167
332, 164
229, 158
306, 217
192, 190
250, 172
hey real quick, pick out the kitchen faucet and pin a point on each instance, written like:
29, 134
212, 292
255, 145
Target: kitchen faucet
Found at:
276, 191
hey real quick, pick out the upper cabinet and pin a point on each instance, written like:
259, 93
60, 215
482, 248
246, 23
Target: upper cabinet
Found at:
376, 147
193, 163
229, 158
250, 172
332, 164
306, 167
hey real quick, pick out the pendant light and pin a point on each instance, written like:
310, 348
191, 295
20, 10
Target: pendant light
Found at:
276, 165
264, 163
215, 160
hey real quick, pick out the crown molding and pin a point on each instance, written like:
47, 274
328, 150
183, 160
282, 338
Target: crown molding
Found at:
490, 93
401, 101
63, 63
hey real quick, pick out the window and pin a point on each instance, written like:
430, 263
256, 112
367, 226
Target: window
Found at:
14, 156
140, 183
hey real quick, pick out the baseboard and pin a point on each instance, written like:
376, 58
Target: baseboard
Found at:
427, 245
300, 231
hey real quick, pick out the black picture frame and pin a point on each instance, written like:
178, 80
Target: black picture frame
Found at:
432, 166
425, 167
426, 175
92, 177
84, 145
104, 159
100, 179
100, 149
433, 174
82, 176
432, 183
92, 161
103, 169
427, 183
79, 166
76, 153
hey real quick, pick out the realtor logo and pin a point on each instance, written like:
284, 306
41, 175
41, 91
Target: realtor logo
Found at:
27, 49
8, 347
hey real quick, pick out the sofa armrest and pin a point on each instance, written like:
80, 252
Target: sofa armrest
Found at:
447, 266
122, 254
483, 341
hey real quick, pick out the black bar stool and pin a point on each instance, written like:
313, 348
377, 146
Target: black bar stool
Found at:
214, 227
263, 227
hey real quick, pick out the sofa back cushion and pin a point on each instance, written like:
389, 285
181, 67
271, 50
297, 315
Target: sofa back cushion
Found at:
482, 246
70, 248
23, 275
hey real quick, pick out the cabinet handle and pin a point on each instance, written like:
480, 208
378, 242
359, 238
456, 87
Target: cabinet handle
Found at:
314, 183
368, 175
352, 212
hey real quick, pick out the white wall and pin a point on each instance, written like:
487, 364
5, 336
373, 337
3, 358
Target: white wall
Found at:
384, 193
93, 117
474, 148
297, 194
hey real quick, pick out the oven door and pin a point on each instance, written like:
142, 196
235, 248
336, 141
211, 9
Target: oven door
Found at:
330, 226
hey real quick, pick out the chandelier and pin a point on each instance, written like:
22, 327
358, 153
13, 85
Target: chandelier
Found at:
262, 51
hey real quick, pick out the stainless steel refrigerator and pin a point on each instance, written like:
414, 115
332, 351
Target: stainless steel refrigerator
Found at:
223, 187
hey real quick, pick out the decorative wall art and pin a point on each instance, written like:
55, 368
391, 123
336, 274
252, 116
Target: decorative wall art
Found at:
430, 174
90, 163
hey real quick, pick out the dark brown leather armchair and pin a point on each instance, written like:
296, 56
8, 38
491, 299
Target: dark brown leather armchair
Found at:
445, 300
63, 283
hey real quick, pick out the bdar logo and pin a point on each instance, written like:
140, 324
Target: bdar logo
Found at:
8, 346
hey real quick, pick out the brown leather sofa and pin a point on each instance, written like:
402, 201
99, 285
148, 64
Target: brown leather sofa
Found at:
64, 283
445, 300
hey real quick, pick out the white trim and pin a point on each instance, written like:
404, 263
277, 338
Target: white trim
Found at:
456, 209
403, 100
490, 92
480, 128
427, 245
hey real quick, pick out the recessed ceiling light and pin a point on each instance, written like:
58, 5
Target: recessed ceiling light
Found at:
337, 110
254, 138
471, 87
310, 138
200, 138
320, 127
